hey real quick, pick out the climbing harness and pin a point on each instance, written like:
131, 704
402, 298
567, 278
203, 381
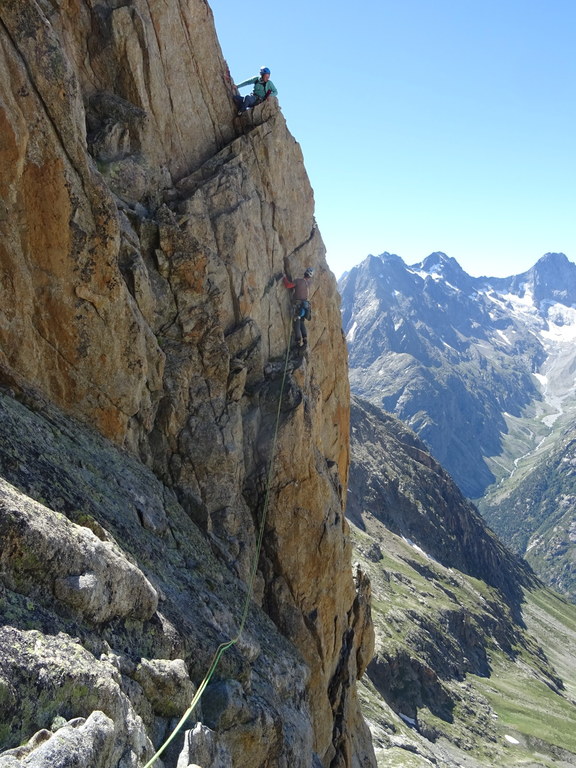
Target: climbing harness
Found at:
223, 647
306, 310
302, 310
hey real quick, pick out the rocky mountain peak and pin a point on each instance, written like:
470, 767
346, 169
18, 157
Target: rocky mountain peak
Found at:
438, 265
553, 261
436, 262
376, 269
554, 280
390, 259
435, 326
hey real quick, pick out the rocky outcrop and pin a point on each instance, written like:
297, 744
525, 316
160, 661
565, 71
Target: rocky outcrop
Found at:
144, 229
41, 549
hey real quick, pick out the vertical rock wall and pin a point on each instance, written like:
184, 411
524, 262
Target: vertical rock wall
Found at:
144, 229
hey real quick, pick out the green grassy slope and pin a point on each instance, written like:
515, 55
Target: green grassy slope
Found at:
534, 512
465, 717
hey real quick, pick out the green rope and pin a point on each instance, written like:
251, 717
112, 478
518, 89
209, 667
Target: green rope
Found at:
223, 647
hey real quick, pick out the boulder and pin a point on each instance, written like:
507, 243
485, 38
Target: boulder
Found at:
44, 553
166, 684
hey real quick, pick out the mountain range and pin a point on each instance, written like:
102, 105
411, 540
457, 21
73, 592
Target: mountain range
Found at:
482, 368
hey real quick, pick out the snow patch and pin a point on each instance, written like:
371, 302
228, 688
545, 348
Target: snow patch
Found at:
418, 549
423, 274
542, 379
409, 720
519, 301
522, 306
511, 739
561, 323
352, 332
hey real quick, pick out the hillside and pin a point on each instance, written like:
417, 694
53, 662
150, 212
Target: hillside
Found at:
147, 425
534, 511
474, 661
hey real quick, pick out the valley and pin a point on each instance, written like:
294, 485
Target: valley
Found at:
484, 370
469, 669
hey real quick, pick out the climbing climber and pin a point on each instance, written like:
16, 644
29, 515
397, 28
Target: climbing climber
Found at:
300, 305
263, 88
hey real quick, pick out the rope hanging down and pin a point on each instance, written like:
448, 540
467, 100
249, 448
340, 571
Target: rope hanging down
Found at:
223, 647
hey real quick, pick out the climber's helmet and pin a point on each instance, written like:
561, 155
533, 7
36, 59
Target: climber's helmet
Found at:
264, 71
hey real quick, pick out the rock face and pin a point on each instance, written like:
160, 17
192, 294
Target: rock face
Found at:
144, 229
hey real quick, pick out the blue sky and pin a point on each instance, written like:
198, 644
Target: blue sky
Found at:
426, 125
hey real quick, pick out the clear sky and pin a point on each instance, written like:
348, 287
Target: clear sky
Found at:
426, 125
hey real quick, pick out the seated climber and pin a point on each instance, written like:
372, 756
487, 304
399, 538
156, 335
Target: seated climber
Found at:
263, 87
300, 305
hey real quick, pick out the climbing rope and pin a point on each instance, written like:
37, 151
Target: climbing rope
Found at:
223, 647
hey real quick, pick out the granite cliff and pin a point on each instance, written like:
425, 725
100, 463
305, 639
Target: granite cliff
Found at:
143, 332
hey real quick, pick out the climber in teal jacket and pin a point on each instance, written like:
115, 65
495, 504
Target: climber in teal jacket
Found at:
263, 88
